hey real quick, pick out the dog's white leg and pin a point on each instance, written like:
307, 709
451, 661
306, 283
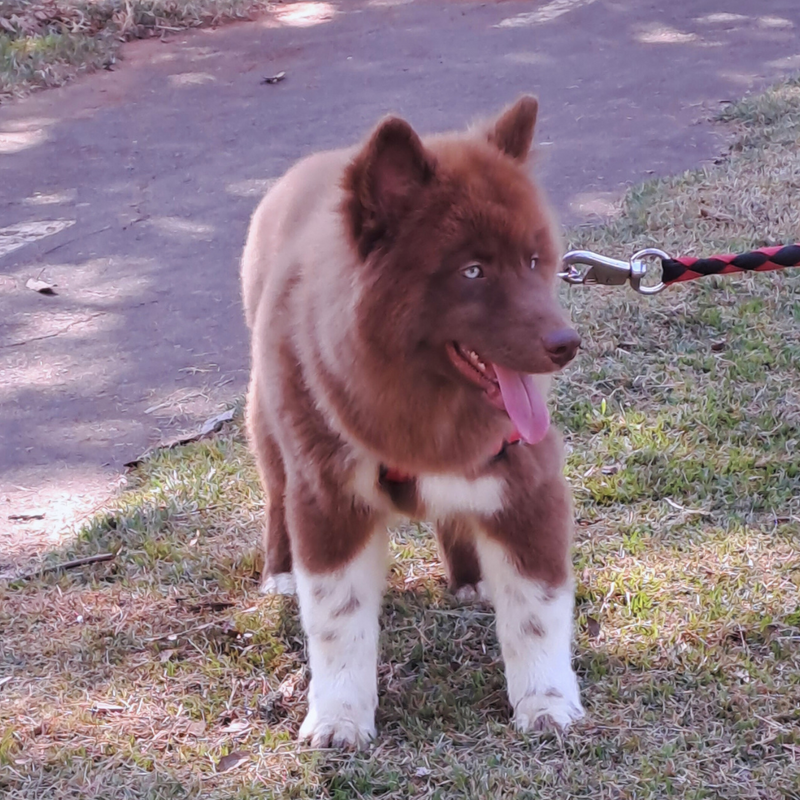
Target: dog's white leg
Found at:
340, 613
534, 626
282, 583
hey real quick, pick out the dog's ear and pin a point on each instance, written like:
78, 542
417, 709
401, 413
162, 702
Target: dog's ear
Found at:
384, 181
513, 132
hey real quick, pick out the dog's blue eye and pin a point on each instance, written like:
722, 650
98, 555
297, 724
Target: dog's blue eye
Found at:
472, 271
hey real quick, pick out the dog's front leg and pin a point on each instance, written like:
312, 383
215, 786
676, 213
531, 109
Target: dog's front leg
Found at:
339, 609
534, 626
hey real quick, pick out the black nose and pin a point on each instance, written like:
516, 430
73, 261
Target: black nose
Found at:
561, 345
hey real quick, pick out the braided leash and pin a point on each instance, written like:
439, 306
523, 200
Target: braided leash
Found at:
613, 272
675, 270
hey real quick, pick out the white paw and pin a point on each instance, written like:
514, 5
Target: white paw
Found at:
341, 731
549, 709
471, 593
282, 583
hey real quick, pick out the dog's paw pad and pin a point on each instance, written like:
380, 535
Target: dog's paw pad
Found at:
340, 734
282, 583
550, 710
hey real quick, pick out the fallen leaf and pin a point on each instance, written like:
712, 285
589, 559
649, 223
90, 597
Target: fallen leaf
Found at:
39, 286
593, 627
718, 347
275, 78
422, 772
210, 426
236, 727
7, 25
290, 684
215, 423
166, 655
26, 516
612, 469
232, 760
197, 728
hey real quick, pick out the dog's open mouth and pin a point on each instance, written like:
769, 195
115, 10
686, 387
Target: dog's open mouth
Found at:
514, 392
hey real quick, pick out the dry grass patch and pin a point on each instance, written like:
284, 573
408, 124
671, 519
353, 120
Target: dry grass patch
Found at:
145, 676
47, 42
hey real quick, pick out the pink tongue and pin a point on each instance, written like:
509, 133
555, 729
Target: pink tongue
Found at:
524, 403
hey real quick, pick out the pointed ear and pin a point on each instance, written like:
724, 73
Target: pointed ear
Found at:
512, 134
385, 180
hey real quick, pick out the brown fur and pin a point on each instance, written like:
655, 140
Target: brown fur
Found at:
352, 289
458, 553
536, 521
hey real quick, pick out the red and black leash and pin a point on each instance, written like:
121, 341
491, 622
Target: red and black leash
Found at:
687, 268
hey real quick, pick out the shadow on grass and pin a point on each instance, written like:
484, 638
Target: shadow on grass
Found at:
137, 677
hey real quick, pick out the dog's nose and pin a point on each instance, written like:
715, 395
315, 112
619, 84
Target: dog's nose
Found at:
562, 345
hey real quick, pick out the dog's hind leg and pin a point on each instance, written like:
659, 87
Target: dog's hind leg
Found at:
456, 537
276, 576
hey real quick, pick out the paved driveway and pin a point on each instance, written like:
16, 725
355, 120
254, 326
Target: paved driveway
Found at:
143, 180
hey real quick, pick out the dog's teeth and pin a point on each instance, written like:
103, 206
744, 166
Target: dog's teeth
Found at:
474, 359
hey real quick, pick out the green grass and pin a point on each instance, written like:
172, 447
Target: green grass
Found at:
46, 43
685, 465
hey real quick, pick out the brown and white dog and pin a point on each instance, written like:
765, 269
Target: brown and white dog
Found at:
401, 297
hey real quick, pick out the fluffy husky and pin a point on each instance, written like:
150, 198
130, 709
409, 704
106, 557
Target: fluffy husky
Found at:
401, 299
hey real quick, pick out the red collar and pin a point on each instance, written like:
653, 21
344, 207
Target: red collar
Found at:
392, 475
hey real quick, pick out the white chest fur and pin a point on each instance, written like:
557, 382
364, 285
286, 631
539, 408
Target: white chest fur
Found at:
441, 495
446, 495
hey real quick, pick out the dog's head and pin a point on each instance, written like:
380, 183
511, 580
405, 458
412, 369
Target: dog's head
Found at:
460, 254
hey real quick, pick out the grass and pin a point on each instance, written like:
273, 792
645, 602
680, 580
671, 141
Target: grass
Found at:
136, 678
46, 43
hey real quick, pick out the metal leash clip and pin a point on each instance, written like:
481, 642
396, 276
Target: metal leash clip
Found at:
606, 271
